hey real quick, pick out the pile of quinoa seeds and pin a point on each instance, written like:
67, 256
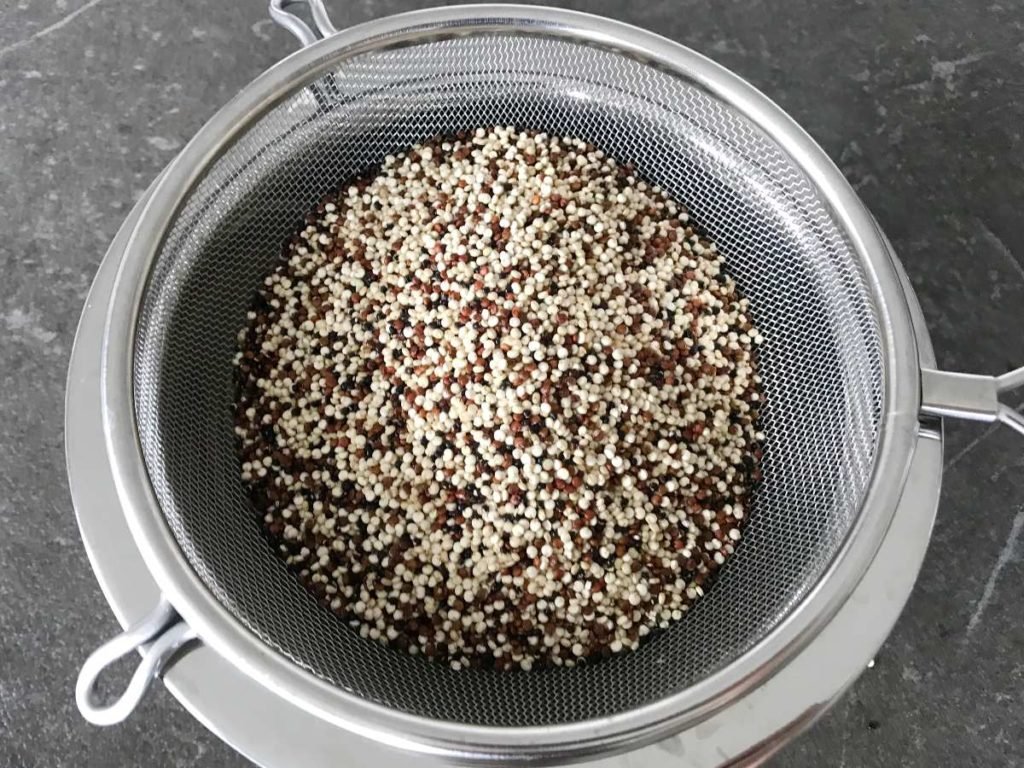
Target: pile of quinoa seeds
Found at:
498, 403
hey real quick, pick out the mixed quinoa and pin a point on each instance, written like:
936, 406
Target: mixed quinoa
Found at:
498, 404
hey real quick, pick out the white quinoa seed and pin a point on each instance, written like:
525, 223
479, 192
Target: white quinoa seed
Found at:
498, 405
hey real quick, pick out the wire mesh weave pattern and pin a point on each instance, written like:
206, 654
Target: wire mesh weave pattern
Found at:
821, 361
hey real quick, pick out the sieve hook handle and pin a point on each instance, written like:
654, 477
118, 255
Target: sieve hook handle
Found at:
166, 632
280, 13
970, 396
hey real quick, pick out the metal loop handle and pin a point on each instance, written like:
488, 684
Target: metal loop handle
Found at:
970, 396
300, 29
165, 630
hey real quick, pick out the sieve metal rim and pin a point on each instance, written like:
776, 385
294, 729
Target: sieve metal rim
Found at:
217, 627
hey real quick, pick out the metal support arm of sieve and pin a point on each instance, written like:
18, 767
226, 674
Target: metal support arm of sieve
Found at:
279, 13
165, 630
970, 396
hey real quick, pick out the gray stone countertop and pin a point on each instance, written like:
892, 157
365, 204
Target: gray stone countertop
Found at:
920, 103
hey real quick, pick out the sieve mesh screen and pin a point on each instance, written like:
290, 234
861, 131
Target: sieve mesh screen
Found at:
821, 361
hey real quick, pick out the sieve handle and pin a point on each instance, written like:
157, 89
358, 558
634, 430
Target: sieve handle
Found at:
166, 632
280, 13
970, 396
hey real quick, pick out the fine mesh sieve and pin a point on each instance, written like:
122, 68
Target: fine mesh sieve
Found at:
841, 376
821, 361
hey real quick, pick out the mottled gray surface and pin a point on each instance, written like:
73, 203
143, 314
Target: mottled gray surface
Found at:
921, 104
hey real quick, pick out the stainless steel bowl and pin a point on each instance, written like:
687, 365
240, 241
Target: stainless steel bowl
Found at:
848, 383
